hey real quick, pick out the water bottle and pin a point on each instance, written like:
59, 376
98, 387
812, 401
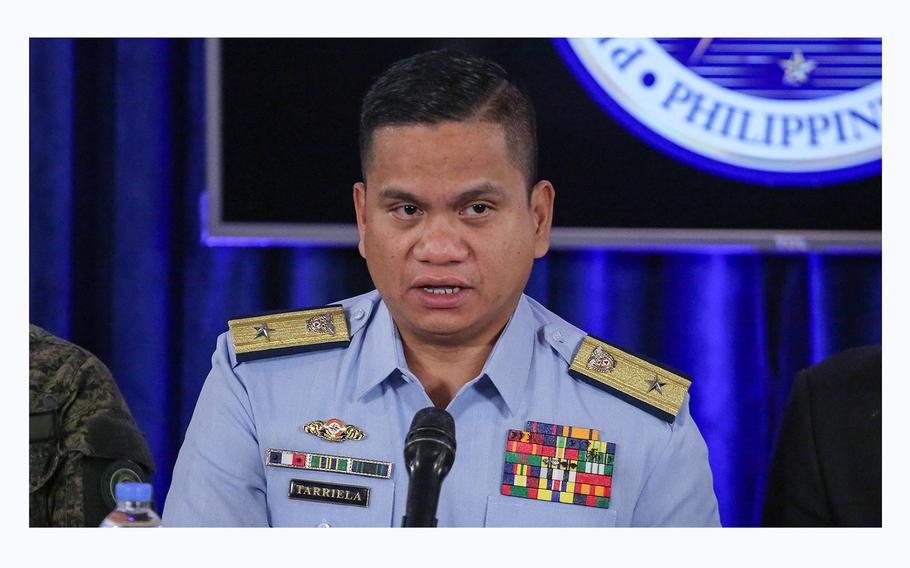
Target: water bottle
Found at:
134, 507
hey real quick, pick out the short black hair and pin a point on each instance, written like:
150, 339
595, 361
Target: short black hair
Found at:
445, 84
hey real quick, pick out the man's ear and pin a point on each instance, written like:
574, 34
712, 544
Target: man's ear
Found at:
360, 205
542, 197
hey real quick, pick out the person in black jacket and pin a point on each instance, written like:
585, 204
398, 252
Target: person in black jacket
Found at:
827, 467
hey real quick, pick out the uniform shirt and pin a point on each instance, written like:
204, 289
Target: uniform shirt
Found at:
661, 475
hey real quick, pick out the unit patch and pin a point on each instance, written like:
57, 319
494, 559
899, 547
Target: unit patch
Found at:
562, 464
323, 462
323, 492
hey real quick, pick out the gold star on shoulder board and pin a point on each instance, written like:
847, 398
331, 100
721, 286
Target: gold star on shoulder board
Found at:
263, 330
655, 384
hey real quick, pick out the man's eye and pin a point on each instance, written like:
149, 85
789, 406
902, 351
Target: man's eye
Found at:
406, 210
477, 209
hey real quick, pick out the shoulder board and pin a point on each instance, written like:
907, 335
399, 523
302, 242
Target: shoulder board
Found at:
286, 333
639, 382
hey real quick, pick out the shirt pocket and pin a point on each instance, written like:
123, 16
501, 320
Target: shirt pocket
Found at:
504, 511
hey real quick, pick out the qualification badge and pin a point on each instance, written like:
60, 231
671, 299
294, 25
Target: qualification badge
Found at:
562, 464
333, 430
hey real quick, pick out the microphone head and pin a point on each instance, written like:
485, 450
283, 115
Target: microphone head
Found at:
434, 424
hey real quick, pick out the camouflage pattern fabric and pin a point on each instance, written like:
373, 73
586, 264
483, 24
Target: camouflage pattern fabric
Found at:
73, 386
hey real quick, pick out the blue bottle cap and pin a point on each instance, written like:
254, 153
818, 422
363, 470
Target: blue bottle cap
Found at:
133, 491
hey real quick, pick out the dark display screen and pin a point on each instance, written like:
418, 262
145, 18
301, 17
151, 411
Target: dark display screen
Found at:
289, 115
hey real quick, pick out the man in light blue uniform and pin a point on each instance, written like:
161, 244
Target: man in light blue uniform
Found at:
302, 420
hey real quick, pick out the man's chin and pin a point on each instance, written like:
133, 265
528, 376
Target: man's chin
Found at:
447, 327
442, 328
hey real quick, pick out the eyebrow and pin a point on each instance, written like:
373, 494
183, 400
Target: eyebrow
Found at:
484, 190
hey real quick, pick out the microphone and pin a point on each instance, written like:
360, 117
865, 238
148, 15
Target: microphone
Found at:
429, 451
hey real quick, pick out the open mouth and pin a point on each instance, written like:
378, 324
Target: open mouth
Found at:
441, 294
440, 290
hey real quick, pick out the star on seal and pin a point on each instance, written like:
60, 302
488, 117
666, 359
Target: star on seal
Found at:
263, 330
796, 69
656, 384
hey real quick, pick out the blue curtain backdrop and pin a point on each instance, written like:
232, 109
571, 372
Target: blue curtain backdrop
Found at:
116, 265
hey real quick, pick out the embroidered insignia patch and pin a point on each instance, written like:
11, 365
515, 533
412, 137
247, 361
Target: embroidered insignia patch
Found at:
321, 324
654, 389
334, 430
562, 464
323, 462
323, 492
286, 333
601, 361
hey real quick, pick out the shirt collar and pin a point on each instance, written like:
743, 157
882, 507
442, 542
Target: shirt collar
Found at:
510, 360
506, 367
378, 357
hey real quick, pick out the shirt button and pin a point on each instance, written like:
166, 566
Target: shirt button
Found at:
358, 314
557, 336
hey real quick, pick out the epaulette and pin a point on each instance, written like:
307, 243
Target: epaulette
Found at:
650, 387
284, 333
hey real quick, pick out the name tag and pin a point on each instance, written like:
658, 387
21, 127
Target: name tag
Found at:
323, 492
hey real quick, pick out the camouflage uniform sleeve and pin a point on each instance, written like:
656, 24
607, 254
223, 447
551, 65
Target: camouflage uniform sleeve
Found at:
90, 412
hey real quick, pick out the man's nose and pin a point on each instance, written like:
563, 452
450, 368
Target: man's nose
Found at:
441, 241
